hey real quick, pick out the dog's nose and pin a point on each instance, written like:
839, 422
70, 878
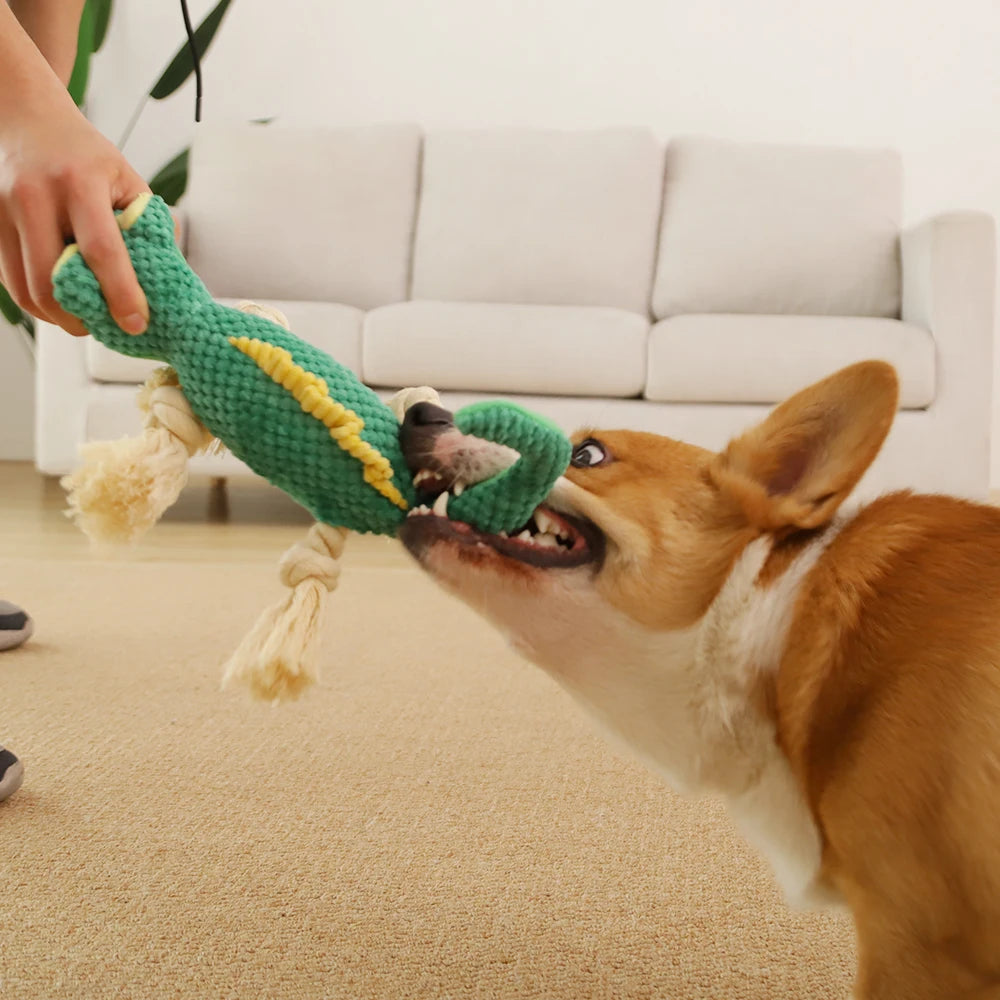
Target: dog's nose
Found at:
428, 415
421, 426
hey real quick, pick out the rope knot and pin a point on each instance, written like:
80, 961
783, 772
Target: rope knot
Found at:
169, 408
406, 398
317, 558
265, 312
164, 405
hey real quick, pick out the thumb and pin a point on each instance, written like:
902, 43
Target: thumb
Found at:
127, 187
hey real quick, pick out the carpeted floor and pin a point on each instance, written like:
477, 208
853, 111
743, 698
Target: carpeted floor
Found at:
434, 821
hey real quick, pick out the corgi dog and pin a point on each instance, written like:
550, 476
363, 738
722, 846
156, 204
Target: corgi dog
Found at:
834, 677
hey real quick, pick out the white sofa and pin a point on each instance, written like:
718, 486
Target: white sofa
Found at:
599, 277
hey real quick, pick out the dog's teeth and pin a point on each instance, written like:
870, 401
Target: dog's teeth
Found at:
422, 476
441, 505
547, 541
503, 534
458, 489
545, 522
525, 536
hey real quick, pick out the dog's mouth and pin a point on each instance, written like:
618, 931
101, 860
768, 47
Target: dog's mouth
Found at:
550, 539
444, 464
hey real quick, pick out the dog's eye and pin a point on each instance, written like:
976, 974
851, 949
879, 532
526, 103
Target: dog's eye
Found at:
589, 453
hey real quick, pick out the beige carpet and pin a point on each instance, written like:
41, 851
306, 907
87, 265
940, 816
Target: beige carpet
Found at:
435, 820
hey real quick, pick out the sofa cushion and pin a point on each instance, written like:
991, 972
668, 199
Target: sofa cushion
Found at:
539, 217
333, 328
752, 228
765, 359
480, 347
308, 214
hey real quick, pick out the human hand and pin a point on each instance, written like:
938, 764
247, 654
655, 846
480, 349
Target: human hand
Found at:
59, 178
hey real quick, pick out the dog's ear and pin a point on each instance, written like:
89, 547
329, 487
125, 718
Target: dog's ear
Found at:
797, 467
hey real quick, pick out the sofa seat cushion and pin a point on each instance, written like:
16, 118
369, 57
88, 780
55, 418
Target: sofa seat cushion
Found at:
764, 359
488, 347
539, 217
331, 327
759, 228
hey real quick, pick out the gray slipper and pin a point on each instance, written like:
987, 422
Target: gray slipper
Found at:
11, 774
15, 626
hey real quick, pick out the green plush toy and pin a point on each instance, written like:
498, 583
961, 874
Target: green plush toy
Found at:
289, 411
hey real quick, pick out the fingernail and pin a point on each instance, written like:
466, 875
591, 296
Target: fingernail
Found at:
134, 323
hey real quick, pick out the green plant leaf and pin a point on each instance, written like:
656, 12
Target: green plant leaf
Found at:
10, 309
93, 27
182, 65
102, 15
14, 314
171, 179
84, 49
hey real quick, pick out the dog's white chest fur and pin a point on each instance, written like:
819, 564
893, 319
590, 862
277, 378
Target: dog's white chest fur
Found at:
683, 701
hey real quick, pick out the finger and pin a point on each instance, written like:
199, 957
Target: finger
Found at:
12, 278
41, 245
15, 278
100, 240
70, 324
126, 188
12, 267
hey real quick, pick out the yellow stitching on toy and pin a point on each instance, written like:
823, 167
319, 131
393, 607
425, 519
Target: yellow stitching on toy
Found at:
69, 252
128, 218
312, 394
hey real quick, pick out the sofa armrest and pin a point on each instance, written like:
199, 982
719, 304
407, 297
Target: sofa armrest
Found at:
949, 288
62, 389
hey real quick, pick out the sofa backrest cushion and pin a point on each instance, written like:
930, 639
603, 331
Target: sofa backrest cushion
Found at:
306, 214
758, 228
539, 217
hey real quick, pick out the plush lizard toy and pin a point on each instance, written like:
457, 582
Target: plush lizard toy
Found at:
291, 413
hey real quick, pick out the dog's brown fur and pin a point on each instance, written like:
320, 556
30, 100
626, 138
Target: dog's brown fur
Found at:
883, 696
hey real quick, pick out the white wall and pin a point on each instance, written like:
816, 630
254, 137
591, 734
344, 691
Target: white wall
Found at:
919, 75
17, 395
